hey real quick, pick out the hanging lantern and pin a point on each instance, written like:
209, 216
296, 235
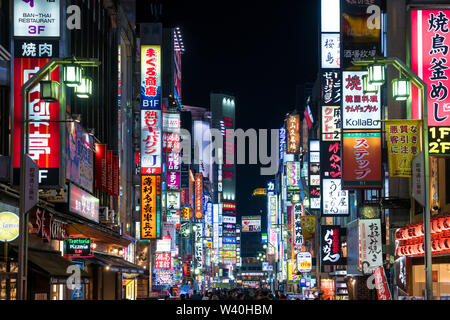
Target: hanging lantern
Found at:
72, 75
376, 74
368, 87
401, 89
49, 91
84, 90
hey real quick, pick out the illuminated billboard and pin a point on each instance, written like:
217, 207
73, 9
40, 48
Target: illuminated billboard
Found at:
150, 77
251, 224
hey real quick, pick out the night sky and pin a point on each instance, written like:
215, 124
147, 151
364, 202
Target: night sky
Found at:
257, 51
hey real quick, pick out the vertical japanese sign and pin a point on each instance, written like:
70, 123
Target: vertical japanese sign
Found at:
361, 158
43, 137
314, 174
370, 245
331, 88
150, 76
331, 123
403, 140
429, 49
293, 134
109, 171
83, 203
100, 167
151, 141
331, 245
359, 111
381, 284
293, 174
272, 221
148, 210
198, 196
298, 212
360, 30
116, 176
163, 260
198, 239
330, 159
335, 200
331, 50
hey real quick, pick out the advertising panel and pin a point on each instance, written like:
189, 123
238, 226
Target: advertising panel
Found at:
314, 174
359, 111
173, 180
331, 245
251, 224
151, 141
150, 77
163, 260
293, 174
293, 134
83, 203
173, 200
297, 236
171, 122
43, 137
331, 164
37, 18
100, 166
361, 158
148, 209
304, 262
429, 59
403, 140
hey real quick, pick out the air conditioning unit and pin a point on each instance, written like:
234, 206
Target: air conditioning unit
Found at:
104, 214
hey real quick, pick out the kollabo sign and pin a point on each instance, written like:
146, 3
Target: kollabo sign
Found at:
304, 262
36, 18
9, 226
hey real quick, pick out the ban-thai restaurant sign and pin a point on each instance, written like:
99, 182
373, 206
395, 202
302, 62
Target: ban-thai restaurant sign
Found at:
361, 158
429, 60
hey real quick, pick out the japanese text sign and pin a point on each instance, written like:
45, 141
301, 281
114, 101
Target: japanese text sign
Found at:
359, 111
83, 203
293, 134
331, 123
163, 260
151, 137
36, 18
370, 245
403, 140
293, 174
150, 77
429, 48
438, 141
331, 50
331, 164
331, 245
361, 158
198, 196
331, 88
335, 200
148, 210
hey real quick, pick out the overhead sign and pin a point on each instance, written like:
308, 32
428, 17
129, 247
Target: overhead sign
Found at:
83, 203
429, 60
9, 226
359, 111
403, 140
361, 158
78, 248
36, 18
150, 77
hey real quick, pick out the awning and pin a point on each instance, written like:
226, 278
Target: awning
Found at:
116, 264
52, 263
83, 230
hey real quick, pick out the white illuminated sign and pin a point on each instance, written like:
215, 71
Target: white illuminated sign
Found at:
36, 18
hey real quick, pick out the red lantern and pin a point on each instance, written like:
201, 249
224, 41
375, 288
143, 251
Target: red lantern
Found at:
399, 234
446, 223
419, 230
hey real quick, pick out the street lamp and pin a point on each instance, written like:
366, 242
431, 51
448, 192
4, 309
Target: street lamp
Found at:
401, 89
367, 86
377, 73
71, 77
84, 90
49, 91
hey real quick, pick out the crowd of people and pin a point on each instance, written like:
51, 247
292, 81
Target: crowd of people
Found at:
234, 294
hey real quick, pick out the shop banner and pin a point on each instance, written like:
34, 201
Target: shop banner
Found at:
198, 196
173, 180
293, 174
403, 140
359, 111
334, 200
43, 137
330, 160
331, 50
163, 260
331, 123
361, 159
83, 203
381, 284
429, 60
151, 139
116, 176
109, 171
